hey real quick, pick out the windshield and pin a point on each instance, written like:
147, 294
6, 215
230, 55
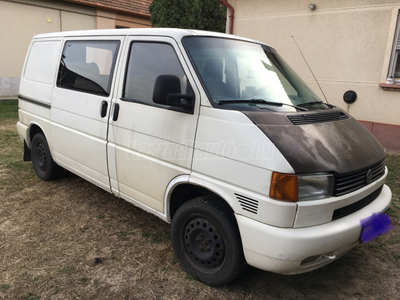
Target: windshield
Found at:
248, 76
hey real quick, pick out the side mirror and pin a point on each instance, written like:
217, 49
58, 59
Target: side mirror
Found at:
167, 91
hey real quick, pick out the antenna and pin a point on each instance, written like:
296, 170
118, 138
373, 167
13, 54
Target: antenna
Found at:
315, 78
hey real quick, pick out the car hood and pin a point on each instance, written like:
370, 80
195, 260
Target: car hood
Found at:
339, 146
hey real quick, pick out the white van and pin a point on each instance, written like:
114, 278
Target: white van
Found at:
211, 132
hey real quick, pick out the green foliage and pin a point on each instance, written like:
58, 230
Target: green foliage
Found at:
393, 181
5, 286
198, 14
8, 110
67, 270
213, 16
31, 296
175, 13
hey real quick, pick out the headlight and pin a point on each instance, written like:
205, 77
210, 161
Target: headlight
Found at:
316, 186
290, 187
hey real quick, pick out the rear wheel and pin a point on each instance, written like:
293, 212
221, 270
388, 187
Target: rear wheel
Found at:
206, 241
43, 164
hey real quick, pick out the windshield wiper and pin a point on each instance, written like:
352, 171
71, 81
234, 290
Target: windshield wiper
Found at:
260, 101
316, 102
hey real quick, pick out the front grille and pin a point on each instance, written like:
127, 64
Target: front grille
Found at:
247, 204
317, 118
354, 181
349, 209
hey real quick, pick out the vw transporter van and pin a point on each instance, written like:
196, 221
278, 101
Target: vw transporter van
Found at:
212, 133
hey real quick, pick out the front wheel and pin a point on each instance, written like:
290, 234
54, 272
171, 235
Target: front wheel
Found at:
206, 241
43, 164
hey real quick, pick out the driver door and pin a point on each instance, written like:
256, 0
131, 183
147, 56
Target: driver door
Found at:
151, 143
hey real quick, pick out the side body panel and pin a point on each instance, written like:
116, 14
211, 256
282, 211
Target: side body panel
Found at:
235, 159
36, 88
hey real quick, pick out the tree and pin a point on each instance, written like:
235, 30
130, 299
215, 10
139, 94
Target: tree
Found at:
195, 14
213, 15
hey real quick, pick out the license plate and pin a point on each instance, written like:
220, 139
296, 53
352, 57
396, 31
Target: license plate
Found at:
375, 226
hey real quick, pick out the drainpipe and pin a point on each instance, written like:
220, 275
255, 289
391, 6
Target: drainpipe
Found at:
231, 14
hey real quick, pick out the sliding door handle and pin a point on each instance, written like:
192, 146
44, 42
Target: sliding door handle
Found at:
116, 112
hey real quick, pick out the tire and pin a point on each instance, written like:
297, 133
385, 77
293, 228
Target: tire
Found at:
206, 240
43, 164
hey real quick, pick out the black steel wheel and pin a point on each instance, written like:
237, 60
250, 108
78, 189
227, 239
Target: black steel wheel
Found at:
43, 164
206, 241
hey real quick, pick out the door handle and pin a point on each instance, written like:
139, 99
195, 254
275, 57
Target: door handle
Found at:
116, 112
103, 111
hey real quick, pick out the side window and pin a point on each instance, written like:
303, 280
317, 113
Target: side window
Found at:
147, 61
87, 66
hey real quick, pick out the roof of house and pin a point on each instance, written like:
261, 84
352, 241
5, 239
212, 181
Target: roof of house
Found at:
139, 7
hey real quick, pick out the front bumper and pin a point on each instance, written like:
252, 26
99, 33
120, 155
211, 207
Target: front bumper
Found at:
298, 250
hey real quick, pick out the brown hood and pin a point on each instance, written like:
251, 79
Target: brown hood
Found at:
339, 146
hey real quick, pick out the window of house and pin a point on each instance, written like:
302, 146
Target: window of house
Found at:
87, 66
394, 69
146, 62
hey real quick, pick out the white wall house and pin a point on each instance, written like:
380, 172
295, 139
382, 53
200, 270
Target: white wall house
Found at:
20, 20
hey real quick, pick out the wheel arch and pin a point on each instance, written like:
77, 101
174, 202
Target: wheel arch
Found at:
33, 129
181, 190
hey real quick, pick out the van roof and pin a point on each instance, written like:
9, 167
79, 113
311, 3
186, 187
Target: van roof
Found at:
175, 33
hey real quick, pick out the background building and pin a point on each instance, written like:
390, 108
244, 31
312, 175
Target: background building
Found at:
21, 20
349, 45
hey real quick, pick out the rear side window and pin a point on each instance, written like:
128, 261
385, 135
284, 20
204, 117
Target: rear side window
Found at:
147, 61
41, 68
88, 66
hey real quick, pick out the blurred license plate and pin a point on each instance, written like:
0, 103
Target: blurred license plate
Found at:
375, 226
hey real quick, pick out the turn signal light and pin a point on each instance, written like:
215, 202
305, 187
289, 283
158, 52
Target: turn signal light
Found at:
284, 187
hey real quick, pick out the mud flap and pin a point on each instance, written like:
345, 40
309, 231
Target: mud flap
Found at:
27, 153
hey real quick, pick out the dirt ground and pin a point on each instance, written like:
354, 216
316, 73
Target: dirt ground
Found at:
68, 239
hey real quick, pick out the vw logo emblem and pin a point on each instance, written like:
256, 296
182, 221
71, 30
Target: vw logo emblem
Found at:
368, 178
